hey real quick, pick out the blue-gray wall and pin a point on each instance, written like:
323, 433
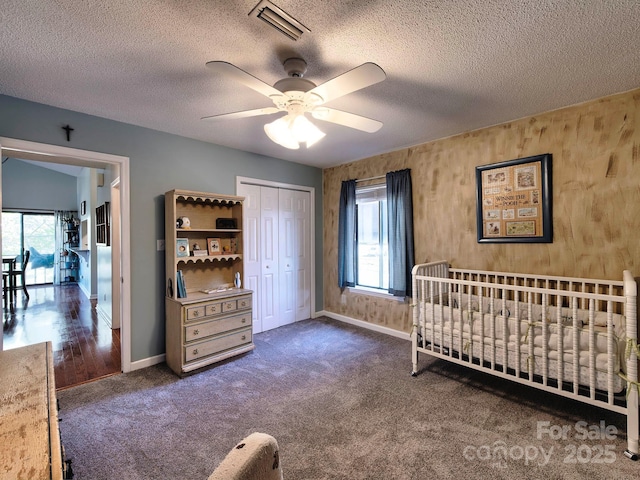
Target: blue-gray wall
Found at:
158, 162
48, 190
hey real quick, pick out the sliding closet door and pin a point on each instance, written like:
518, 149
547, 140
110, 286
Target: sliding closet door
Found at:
251, 250
277, 254
269, 245
288, 258
302, 251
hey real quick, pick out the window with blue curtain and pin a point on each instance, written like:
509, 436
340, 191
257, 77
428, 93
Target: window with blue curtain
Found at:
400, 228
375, 235
347, 235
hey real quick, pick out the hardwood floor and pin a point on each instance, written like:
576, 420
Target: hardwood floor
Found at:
85, 348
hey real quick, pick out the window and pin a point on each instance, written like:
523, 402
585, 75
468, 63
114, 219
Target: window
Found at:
34, 232
372, 269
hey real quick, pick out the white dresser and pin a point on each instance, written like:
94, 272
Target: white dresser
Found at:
207, 328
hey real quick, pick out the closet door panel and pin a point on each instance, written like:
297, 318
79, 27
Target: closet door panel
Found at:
287, 239
302, 205
269, 246
251, 250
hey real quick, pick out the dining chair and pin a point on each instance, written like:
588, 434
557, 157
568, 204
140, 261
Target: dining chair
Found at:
5, 288
20, 273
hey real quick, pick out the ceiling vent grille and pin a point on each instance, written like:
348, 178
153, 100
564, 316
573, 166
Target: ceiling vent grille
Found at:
279, 19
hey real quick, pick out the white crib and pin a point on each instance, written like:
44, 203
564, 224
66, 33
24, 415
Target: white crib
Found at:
524, 328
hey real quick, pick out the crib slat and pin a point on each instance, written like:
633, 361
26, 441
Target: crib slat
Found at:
560, 330
545, 340
576, 347
610, 352
505, 331
518, 337
442, 319
531, 333
592, 351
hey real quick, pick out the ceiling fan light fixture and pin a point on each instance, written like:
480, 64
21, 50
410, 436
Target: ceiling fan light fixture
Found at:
279, 132
292, 130
305, 131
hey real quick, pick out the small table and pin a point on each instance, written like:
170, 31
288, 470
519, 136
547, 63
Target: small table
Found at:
11, 262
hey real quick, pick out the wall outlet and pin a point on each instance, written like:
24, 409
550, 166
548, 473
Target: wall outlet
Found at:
160, 245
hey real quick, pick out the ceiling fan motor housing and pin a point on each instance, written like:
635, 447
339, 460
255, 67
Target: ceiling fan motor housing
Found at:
295, 67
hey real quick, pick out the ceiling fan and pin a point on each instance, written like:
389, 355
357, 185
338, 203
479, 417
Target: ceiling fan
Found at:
297, 96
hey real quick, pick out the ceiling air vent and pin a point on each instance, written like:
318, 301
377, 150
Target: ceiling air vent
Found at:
279, 19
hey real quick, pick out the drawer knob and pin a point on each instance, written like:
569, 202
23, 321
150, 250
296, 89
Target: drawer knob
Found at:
244, 337
196, 332
244, 320
195, 351
196, 313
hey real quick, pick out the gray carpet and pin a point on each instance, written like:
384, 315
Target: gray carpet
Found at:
342, 404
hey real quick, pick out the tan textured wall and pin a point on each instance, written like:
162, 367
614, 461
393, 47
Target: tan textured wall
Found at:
596, 200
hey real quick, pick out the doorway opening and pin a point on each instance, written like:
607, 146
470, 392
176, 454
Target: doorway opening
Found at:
70, 156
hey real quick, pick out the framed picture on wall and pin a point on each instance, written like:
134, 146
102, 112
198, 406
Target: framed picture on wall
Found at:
83, 207
513, 201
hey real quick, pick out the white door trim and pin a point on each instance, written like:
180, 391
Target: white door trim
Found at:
58, 154
312, 195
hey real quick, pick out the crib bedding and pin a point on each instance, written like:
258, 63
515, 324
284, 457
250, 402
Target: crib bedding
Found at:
486, 321
523, 328
482, 346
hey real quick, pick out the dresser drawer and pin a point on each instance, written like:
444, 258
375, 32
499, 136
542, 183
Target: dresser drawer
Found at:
213, 308
214, 327
229, 306
196, 313
244, 302
203, 310
217, 345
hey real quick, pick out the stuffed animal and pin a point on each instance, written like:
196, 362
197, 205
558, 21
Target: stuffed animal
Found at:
183, 223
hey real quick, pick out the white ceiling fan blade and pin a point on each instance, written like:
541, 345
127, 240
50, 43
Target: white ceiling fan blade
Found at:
239, 75
360, 77
243, 114
347, 119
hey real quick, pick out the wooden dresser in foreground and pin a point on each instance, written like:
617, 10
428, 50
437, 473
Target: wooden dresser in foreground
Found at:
29, 435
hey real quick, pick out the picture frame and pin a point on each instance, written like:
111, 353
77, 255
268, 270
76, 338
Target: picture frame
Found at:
514, 201
213, 246
83, 207
182, 247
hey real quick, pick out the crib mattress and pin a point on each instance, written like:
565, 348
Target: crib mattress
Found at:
528, 338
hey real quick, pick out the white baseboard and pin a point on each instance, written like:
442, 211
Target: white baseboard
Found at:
104, 315
363, 324
84, 290
147, 362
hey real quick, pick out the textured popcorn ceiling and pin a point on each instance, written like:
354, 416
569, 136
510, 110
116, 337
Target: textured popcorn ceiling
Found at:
452, 66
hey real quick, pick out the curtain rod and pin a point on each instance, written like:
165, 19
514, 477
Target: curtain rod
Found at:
371, 178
